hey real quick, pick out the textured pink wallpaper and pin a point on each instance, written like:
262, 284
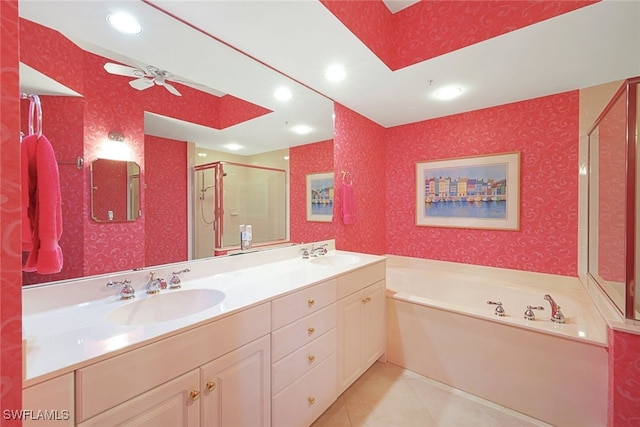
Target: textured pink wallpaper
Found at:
10, 246
545, 131
304, 160
166, 224
359, 149
428, 29
624, 379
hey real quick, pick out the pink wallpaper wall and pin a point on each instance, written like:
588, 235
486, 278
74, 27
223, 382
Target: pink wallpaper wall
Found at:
359, 149
545, 131
428, 29
624, 379
305, 160
10, 246
166, 224
110, 178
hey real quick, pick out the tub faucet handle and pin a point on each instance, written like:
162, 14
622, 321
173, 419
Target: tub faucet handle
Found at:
556, 314
528, 313
499, 308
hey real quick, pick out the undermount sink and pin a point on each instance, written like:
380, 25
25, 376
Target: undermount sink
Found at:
336, 259
165, 306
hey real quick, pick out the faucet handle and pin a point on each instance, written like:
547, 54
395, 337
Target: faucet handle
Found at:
499, 308
528, 313
127, 291
174, 282
305, 253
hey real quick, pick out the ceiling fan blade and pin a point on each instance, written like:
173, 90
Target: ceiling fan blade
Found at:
123, 70
141, 83
171, 88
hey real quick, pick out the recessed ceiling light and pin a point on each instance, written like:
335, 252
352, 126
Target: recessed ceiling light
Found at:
124, 23
448, 92
302, 129
335, 73
282, 94
233, 146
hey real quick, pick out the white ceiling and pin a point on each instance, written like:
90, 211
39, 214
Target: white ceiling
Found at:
596, 44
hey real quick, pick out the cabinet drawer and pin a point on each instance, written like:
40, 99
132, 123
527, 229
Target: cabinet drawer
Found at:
296, 334
303, 302
361, 278
301, 361
307, 398
144, 368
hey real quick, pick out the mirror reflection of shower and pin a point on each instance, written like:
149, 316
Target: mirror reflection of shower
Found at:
230, 194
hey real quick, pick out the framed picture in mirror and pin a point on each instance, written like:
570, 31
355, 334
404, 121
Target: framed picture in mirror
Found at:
320, 197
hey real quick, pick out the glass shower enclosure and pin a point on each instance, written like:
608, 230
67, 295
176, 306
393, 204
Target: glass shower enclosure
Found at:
228, 195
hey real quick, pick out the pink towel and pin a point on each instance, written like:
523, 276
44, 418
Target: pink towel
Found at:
348, 204
41, 206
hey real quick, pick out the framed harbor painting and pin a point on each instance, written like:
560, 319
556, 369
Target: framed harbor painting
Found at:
320, 197
469, 192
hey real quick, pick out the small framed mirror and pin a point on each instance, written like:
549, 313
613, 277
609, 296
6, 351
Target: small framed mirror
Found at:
115, 190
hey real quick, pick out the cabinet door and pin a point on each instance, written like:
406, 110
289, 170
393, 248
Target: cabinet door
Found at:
236, 388
373, 323
349, 339
52, 400
173, 404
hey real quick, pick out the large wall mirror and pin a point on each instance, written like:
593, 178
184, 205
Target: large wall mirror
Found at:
165, 134
613, 201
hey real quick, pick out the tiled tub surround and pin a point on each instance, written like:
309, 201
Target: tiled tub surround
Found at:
440, 325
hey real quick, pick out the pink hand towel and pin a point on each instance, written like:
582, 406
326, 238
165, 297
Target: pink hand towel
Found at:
348, 204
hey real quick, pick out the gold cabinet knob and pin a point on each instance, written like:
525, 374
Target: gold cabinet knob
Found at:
311, 331
311, 358
311, 302
194, 395
366, 299
311, 400
211, 385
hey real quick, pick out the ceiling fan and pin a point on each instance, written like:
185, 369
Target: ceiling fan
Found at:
145, 78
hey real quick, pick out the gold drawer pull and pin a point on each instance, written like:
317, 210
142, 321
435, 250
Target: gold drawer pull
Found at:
211, 386
194, 395
311, 331
311, 400
311, 358
311, 302
366, 300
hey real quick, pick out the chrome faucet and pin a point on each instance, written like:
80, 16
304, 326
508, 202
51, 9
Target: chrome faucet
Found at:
499, 308
174, 282
154, 285
127, 291
320, 250
556, 314
528, 313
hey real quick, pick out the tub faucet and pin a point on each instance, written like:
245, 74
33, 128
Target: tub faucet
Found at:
154, 285
556, 314
499, 308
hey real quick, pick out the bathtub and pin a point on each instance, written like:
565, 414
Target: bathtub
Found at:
440, 325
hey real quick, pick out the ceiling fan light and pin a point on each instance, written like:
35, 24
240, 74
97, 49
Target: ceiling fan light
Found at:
124, 23
282, 94
335, 73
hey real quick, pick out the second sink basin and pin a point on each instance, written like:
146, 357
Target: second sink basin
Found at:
165, 306
336, 259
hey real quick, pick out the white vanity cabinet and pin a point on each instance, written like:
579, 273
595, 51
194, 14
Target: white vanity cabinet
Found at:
236, 388
303, 349
49, 403
164, 383
361, 322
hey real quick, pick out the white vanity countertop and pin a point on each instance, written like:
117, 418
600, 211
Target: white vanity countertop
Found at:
67, 337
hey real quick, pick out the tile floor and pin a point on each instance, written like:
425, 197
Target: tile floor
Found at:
389, 396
